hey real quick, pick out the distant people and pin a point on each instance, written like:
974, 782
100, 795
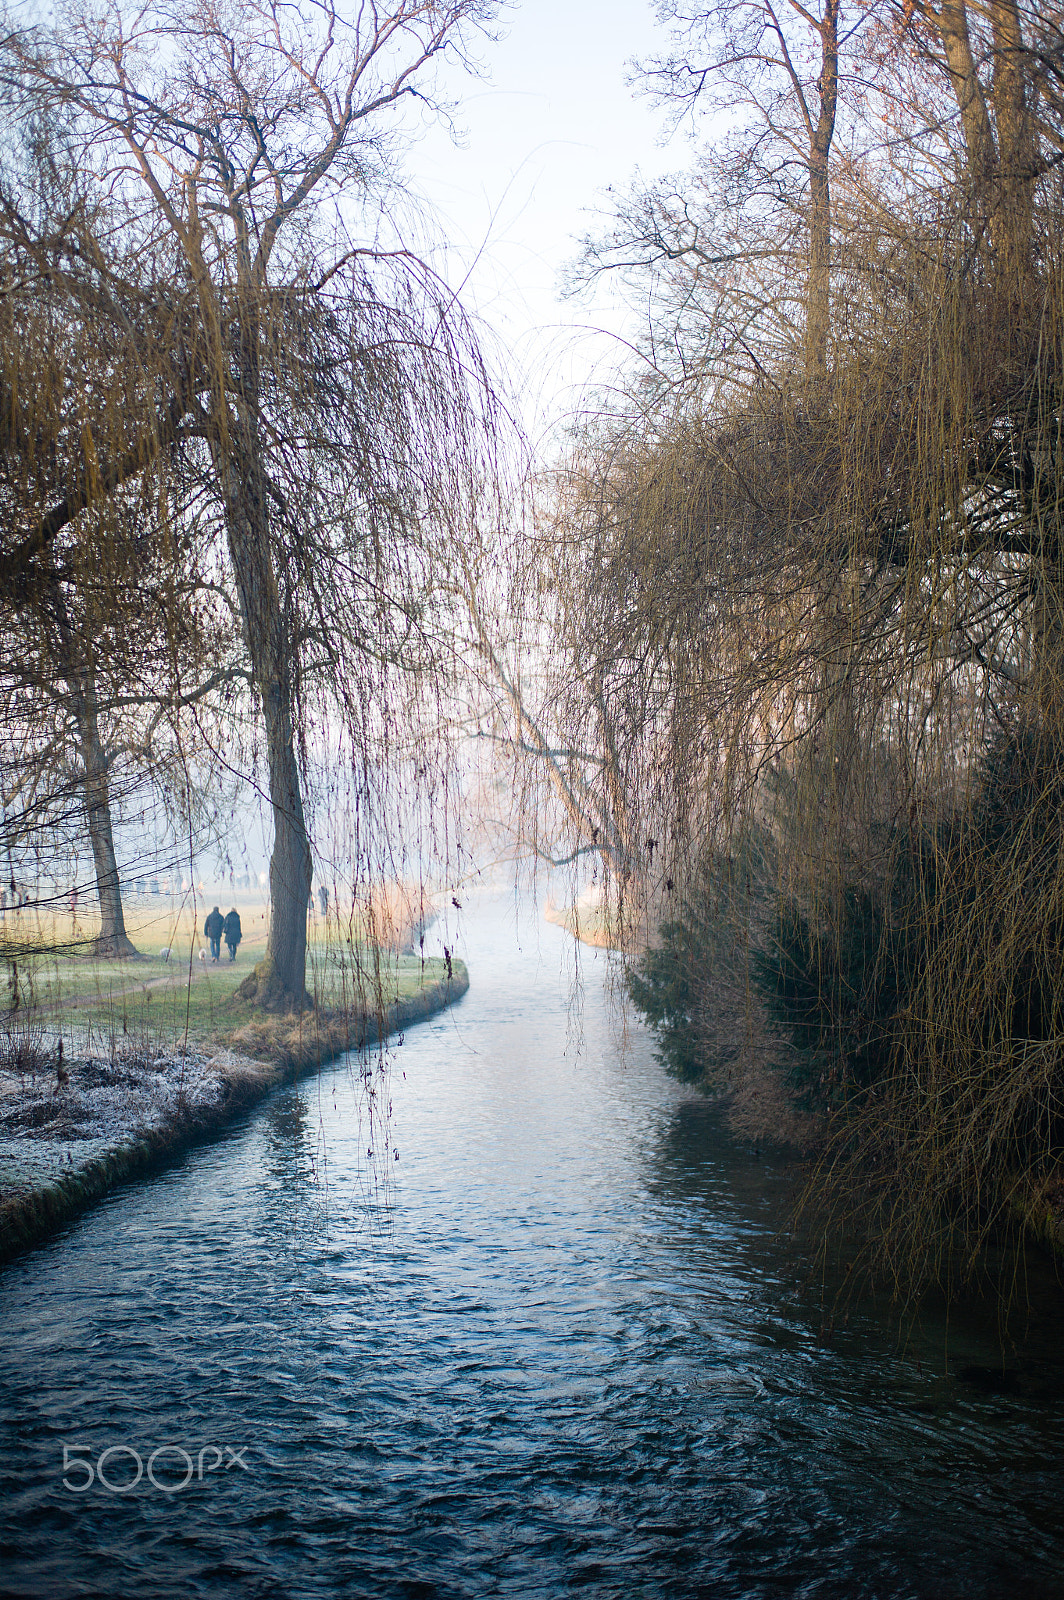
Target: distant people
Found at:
213, 929
232, 932
323, 899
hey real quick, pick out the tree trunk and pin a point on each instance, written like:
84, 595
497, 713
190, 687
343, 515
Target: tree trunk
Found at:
818, 295
112, 939
278, 983
818, 315
78, 671
1001, 171
1016, 163
952, 23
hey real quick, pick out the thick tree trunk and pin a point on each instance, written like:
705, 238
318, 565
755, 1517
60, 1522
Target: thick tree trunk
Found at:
1016, 165
279, 981
952, 22
1001, 170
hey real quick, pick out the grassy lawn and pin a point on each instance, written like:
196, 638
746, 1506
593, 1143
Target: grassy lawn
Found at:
163, 1002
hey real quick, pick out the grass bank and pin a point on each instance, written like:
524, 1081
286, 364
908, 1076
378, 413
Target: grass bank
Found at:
159, 1055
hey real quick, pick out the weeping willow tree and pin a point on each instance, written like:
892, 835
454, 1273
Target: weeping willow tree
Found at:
297, 365
104, 644
826, 615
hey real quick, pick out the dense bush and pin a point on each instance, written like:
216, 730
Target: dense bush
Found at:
919, 1012
834, 990
956, 940
967, 912
668, 985
693, 987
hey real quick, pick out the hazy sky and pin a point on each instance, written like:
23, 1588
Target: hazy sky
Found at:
550, 129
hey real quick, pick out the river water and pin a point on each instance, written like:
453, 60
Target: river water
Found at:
547, 1339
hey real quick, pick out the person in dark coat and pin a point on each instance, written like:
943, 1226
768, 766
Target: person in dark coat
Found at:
213, 929
232, 932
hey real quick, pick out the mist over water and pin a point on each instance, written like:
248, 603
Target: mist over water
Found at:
547, 1337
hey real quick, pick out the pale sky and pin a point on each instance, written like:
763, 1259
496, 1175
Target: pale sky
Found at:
553, 126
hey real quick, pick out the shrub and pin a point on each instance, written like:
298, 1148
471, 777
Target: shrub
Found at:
693, 986
919, 1009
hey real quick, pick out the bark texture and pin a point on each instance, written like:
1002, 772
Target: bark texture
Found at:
278, 983
998, 135
76, 666
112, 939
822, 133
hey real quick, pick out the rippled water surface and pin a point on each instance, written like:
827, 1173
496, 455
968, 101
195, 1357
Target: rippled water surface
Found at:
556, 1346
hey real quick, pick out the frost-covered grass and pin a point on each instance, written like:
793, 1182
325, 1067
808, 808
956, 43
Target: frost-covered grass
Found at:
103, 1060
147, 1043
103, 1098
69, 1133
156, 1061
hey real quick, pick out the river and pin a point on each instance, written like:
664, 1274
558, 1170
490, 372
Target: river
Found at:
546, 1339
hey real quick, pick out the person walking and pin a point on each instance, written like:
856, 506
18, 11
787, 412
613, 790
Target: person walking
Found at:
213, 929
232, 932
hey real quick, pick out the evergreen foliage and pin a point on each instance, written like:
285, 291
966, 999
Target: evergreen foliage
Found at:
848, 987
834, 991
668, 985
851, 983
693, 986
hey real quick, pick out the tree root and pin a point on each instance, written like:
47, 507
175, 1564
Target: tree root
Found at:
263, 988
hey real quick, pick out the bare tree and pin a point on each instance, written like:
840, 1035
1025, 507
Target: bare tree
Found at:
987, 59
106, 635
249, 149
734, 238
855, 604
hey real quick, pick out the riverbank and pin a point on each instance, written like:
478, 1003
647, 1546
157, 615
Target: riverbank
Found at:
759, 1108
590, 920
74, 1126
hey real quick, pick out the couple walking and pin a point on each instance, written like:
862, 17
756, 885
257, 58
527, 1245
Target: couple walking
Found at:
216, 927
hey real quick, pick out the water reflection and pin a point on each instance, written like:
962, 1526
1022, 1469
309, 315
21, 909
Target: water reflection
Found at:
285, 1134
